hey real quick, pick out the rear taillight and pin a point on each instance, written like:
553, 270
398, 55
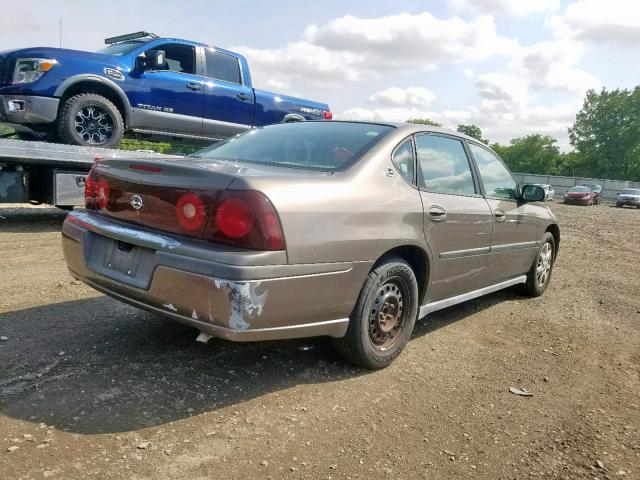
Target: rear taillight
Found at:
91, 187
247, 219
190, 211
328, 115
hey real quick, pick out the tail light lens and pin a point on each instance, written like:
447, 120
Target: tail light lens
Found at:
328, 115
240, 218
247, 219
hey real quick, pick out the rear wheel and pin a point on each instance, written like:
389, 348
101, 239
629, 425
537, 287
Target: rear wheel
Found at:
383, 318
539, 275
90, 120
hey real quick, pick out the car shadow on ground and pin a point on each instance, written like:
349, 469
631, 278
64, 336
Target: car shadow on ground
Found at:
29, 219
97, 365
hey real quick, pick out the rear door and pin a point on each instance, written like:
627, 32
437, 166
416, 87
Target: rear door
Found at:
457, 219
228, 103
169, 98
514, 241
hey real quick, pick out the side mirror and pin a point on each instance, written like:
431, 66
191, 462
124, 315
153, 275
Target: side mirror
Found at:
151, 60
532, 193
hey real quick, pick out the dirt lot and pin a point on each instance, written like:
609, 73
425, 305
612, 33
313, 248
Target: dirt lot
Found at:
92, 388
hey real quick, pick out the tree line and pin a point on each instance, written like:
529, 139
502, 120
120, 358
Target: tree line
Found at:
605, 140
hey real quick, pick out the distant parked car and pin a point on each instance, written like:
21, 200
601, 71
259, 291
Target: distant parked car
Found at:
629, 196
549, 192
580, 195
597, 191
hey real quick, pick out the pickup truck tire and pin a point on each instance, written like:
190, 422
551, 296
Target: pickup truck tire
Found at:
382, 321
90, 120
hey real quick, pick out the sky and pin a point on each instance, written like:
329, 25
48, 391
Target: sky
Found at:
512, 67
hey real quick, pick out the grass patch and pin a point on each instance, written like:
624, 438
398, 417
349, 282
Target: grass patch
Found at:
158, 147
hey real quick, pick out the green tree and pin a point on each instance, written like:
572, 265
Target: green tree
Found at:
531, 154
472, 131
424, 121
606, 134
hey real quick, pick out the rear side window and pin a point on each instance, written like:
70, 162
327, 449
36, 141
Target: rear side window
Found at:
325, 146
403, 160
444, 165
497, 180
221, 66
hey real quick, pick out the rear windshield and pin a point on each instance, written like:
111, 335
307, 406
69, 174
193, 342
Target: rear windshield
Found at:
580, 189
325, 146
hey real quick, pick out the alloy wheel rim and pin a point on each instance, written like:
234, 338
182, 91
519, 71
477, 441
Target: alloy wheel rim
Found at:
94, 125
387, 315
544, 263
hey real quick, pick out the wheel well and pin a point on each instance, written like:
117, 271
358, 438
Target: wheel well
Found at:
417, 258
555, 231
292, 117
99, 89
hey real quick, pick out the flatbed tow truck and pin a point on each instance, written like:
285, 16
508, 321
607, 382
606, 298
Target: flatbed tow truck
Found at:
38, 172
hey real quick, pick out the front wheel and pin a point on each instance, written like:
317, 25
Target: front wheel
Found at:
90, 120
383, 318
539, 275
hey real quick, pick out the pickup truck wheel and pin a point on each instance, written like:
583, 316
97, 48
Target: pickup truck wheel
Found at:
540, 273
90, 120
383, 318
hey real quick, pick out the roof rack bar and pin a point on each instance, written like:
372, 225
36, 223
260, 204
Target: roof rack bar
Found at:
129, 36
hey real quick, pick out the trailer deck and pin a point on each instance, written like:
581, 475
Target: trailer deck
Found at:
40, 172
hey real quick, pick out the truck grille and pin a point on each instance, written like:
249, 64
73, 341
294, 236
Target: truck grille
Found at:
7, 65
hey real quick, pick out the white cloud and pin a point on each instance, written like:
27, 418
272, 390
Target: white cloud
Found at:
505, 112
403, 97
350, 48
511, 7
551, 65
611, 21
411, 41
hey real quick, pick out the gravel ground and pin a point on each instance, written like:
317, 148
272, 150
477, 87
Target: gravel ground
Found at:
92, 388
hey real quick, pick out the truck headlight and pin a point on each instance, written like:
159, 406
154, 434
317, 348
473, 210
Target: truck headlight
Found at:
29, 70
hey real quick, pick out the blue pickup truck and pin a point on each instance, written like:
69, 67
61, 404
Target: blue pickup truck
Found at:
142, 84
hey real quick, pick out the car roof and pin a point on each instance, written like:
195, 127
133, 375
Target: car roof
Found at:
410, 128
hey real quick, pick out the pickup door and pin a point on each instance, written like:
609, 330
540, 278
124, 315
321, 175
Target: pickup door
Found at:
228, 103
169, 98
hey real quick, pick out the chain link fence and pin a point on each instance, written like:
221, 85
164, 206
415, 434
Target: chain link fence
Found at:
610, 188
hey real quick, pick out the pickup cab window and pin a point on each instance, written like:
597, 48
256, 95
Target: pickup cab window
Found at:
221, 66
179, 58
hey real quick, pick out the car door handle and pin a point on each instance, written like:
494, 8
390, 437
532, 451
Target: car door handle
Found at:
194, 86
500, 215
242, 96
437, 213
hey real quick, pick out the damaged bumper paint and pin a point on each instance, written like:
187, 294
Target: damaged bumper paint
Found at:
224, 292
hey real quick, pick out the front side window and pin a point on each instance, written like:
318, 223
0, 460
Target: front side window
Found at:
403, 161
179, 58
444, 165
497, 180
221, 66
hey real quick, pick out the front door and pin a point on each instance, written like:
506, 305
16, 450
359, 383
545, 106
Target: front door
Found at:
169, 98
514, 242
458, 220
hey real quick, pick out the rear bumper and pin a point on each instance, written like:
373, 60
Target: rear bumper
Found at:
630, 203
234, 302
36, 109
576, 201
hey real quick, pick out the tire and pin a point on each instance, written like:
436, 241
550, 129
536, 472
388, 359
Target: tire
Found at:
90, 120
535, 284
384, 316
